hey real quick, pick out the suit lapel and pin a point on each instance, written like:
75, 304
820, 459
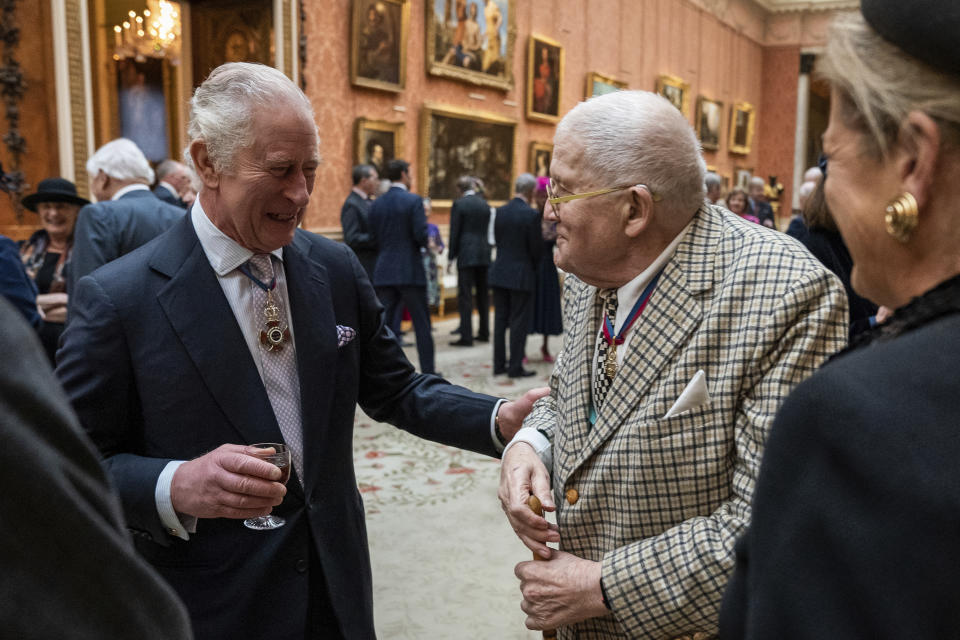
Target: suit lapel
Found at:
315, 334
199, 313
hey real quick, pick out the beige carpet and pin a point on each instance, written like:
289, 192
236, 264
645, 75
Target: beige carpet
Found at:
442, 551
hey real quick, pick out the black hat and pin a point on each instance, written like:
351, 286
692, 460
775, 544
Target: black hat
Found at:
926, 29
54, 190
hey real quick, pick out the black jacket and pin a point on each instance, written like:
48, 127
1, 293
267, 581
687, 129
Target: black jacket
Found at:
469, 226
519, 242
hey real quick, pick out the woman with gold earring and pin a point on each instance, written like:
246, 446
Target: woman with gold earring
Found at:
856, 513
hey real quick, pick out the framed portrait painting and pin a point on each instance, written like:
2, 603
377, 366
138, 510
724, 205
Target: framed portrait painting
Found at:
377, 142
378, 44
741, 127
599, 84
472, 40
539, 158
676, 91
742, 177
455, 142
544, 79
709, 117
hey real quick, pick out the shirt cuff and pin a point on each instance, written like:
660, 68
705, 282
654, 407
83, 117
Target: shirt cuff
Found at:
538, 441
176, 526
493, 426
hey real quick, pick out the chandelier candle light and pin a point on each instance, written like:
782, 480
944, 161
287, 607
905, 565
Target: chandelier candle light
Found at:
155, 34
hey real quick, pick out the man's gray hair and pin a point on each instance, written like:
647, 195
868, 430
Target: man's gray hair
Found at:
121, 159
638, 137
757, 181
167, 167
221, 110
466, 183
712, 180
526, 183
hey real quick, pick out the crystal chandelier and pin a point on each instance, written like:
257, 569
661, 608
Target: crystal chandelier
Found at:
155, 34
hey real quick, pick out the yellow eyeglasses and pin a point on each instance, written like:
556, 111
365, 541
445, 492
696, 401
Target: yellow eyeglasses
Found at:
555, 200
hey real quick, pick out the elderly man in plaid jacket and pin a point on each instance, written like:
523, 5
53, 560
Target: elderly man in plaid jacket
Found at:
685, 329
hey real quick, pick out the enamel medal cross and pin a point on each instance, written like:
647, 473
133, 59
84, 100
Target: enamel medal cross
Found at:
274, 334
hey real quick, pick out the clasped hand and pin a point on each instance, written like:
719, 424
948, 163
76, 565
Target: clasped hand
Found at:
228, 482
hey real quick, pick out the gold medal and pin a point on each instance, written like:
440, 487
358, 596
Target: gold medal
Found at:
610, 362
274, 335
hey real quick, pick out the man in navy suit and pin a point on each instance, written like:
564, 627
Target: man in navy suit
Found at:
126, 216
173, 178
399, 227
469, 229
513, 276
174, 367
354, 216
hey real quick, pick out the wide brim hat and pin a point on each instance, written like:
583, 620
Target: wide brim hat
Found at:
54, 190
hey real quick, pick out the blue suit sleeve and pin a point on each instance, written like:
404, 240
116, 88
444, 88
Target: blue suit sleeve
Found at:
15, 285
93, 246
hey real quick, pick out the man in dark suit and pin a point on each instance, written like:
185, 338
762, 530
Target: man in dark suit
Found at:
354, 213
237, 327
399, 227
513, 276
15, 285
126, 216
69, 568
757, 203
173, 178
469, 225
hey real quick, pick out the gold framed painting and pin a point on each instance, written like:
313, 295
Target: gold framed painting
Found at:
538, 160
455, 142
472, 41
599, 84
377, 142
378, 44
544, 79
743, 175
709, 118
741, 127
676, 91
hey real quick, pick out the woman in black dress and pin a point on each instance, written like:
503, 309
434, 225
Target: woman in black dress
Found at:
547, 318
47, 253
856, 513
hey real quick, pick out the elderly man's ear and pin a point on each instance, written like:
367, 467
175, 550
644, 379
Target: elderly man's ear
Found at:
204, 166
639, 209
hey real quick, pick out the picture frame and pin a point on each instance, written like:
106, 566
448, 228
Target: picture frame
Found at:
544, 79
709, 119
377, 142
456, 142
742, 177
742, 119
599, 84
378, 44
539, 157
459, 47
676, 91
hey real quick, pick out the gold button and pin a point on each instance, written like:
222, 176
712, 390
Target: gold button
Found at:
572, 496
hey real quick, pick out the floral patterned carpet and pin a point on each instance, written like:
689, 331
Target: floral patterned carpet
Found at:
442, 551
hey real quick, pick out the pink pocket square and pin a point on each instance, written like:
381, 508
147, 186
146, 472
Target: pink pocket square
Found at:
345, 335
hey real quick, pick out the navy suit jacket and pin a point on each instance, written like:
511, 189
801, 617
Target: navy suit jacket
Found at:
107, 230
158, 370
356, 230
15, 285
469, 225
519, 242
170, 198
399, 226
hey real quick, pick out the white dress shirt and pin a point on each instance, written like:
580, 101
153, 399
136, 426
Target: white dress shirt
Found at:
627, 296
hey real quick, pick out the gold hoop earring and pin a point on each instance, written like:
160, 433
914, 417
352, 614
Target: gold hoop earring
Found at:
902, 216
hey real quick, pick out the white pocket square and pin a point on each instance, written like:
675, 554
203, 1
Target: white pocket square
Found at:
694, 395
344, 335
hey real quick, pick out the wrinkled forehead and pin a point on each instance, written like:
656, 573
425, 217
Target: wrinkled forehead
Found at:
570, 162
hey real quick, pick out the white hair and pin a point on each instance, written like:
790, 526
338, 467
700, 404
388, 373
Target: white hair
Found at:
121, 159
526, 183
221, 110
812, 174
638, 137
757, 181
712, 180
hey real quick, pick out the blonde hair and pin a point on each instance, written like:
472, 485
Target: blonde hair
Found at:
879, 85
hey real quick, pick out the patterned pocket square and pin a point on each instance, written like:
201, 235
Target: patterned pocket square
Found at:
344, 335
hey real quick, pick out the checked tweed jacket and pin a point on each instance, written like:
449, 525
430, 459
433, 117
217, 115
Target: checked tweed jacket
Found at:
662, 500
